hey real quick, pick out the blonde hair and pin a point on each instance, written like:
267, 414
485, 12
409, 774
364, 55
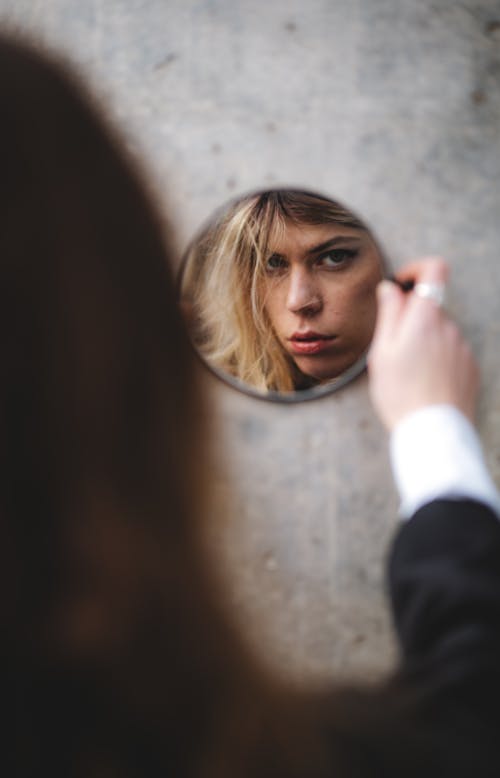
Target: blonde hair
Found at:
221, 284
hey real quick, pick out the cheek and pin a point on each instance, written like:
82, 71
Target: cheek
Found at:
274, 303
365, 303
364, 292
354, 304
355, 293
366, 284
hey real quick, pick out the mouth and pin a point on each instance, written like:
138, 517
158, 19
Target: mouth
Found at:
310, 342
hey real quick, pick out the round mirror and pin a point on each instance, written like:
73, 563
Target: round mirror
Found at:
278, 291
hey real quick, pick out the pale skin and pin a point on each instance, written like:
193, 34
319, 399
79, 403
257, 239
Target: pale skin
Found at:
418, 356
320, 295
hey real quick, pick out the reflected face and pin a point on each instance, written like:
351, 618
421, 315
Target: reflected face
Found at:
319, 293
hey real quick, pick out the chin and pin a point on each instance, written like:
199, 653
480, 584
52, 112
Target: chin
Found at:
327, 371
322, 375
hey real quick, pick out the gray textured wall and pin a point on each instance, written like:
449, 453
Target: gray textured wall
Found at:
392, 105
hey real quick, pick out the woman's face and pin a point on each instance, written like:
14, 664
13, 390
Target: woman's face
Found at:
319, 294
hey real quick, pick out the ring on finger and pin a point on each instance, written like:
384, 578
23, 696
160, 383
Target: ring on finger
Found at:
435, 292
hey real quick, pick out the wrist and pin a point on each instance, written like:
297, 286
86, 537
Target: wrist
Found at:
436, 453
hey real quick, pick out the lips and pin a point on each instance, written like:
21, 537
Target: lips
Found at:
310, 342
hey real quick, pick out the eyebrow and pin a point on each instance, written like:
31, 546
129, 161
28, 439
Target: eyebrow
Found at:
328, 244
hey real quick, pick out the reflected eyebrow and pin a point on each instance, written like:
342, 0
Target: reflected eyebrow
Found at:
328, 244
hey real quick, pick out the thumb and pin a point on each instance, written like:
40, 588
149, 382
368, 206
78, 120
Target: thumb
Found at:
390, 302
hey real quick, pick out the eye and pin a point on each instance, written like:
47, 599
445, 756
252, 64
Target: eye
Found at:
336, 258
275, 263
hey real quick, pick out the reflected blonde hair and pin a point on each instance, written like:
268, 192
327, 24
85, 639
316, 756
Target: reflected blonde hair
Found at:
222, 283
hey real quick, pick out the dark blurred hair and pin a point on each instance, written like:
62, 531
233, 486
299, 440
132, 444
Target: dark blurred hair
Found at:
103, 595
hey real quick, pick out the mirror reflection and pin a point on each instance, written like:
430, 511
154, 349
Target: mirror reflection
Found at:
279, 292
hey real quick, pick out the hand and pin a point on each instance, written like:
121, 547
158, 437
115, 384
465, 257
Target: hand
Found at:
418, 356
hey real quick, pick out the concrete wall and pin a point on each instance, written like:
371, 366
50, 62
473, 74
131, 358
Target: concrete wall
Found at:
391, 105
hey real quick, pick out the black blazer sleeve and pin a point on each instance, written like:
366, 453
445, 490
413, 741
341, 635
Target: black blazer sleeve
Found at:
444, 581
438, 715
444, 578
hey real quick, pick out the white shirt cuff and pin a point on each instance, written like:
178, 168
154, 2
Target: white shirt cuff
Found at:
436, 453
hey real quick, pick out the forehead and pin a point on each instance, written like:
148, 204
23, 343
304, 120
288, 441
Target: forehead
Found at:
288, 238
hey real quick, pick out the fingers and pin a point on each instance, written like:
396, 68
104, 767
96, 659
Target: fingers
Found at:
418, 355
430, 270
396, 307
390, 302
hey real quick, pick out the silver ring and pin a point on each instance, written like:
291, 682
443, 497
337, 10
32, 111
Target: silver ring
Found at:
428, 291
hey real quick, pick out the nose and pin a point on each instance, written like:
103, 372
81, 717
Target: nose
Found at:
303, 294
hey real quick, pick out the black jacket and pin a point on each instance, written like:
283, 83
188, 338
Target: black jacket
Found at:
444, 584
439, 714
